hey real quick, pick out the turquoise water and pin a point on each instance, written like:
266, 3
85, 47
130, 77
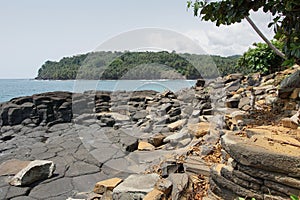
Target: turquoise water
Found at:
10, 88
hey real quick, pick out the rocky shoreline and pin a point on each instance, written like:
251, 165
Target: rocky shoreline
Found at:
145, 144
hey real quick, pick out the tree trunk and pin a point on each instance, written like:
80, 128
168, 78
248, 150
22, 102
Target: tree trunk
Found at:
277, 51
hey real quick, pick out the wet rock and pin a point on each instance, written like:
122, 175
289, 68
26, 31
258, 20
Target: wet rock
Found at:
34, 171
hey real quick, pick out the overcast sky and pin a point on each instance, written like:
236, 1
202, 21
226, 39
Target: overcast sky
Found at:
34, 31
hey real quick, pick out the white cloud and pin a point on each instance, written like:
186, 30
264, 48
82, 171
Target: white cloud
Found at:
233, 39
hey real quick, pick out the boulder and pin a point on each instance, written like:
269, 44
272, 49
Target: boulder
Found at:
136, 186
35, 171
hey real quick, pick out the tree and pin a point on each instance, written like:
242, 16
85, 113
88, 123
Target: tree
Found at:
286, 21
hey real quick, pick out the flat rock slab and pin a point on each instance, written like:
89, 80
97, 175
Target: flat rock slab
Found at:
55, 188
135, 187
12, 167
264, 152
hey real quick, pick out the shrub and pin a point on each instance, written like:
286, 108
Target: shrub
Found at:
261, 59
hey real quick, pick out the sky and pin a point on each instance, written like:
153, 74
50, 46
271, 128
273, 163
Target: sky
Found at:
34, 31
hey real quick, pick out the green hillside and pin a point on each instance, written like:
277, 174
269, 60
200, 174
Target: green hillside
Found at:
137, 65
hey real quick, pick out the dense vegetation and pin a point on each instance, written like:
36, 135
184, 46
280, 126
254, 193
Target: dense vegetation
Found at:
137, 65
261, 59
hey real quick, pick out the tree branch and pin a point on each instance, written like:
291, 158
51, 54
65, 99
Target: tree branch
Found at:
277, 51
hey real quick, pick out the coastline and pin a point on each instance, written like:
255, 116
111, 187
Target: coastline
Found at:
164, 136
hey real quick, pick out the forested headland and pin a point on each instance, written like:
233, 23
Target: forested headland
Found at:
137, 65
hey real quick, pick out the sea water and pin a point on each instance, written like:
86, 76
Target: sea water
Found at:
11, 88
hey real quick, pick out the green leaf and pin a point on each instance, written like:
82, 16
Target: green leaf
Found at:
294, 197
189, 4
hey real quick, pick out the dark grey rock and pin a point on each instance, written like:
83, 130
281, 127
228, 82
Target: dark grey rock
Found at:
292, 81
17, 191
56, 188
200, 83
86, 183
81, 168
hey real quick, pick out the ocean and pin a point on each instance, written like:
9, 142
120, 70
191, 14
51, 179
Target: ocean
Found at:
11, 88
